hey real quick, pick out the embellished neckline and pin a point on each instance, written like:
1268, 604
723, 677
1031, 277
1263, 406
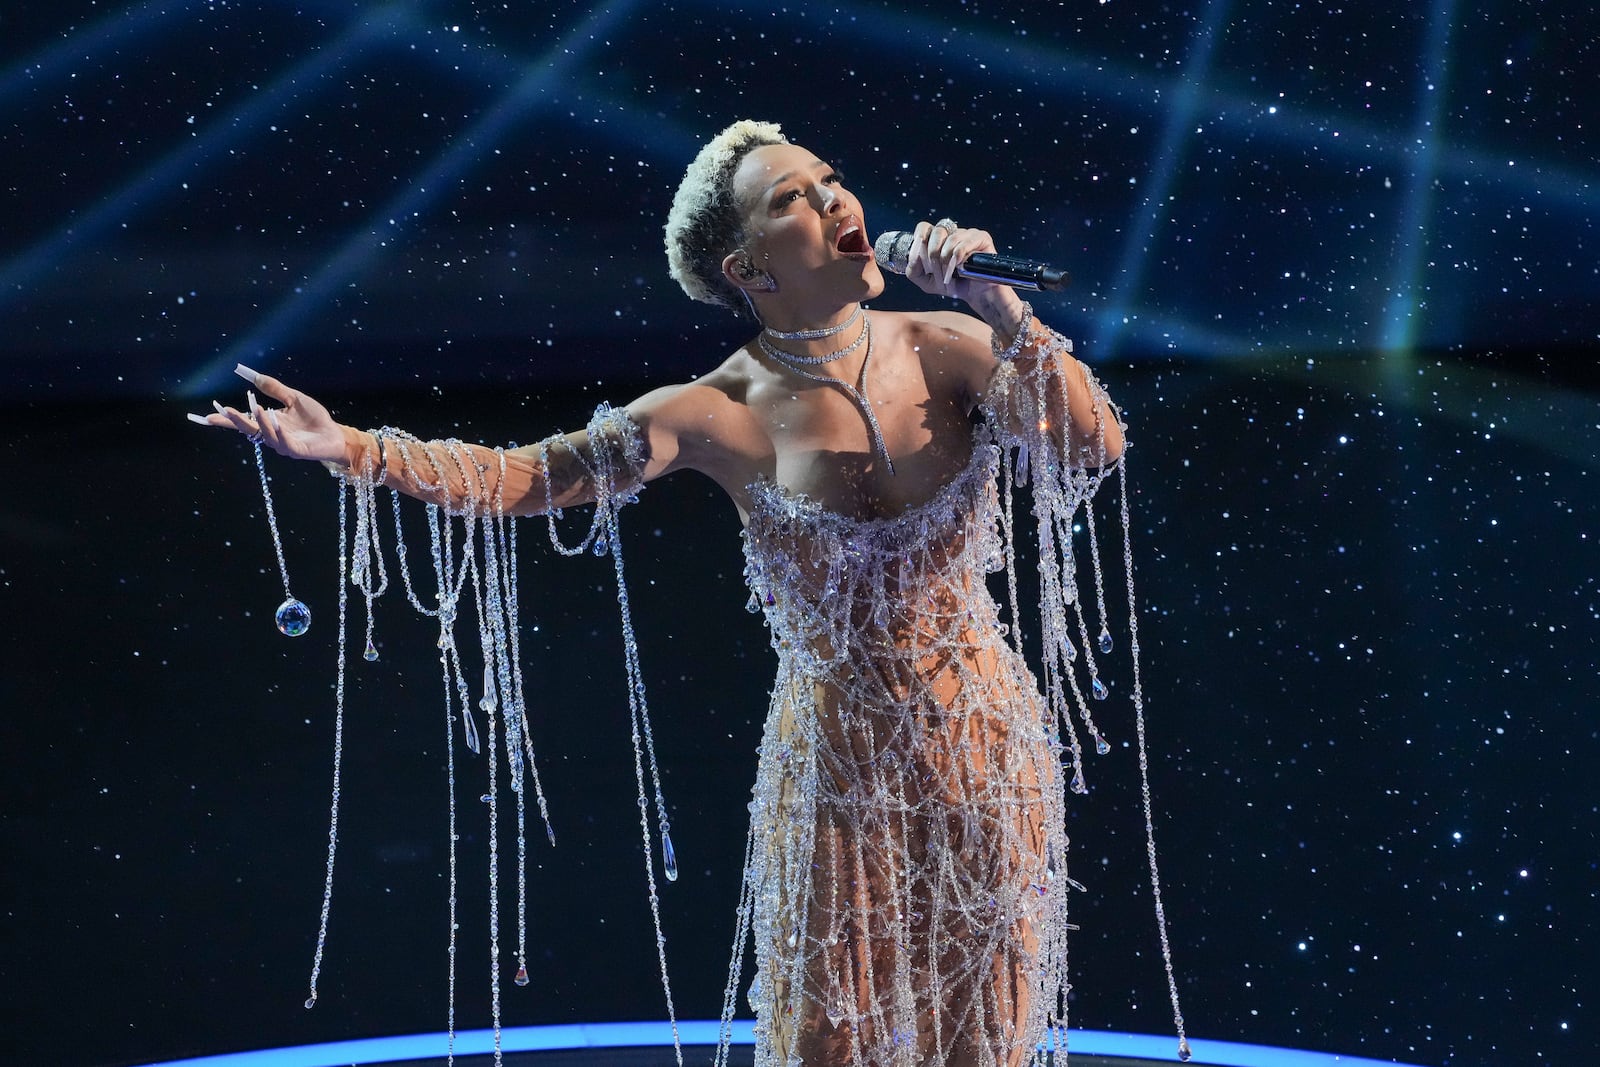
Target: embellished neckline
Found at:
768, 494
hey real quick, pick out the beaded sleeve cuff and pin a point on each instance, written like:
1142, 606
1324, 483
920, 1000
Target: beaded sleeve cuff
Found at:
1022, 340
620, 449
464, 478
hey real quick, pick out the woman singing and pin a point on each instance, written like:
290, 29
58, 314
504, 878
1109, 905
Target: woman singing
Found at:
905, 879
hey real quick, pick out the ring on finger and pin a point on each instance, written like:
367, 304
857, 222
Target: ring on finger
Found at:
948, 225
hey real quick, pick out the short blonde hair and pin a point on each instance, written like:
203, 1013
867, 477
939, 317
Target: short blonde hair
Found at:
705, 224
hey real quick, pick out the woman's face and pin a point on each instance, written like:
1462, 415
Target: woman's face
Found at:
802, 226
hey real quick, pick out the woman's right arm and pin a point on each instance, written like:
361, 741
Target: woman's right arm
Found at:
617, 452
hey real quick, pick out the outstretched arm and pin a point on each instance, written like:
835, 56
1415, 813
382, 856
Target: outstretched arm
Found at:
561, 471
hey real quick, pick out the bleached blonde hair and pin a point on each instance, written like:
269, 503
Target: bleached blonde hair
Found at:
705, 224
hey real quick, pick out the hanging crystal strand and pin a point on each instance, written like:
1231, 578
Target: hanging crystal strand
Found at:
366, 553
1103, 640
515, 710
521, 707
441, 533
1008, 527
609, 497
1066, 526
448, 609
441, 571
405, 567
495, 623
448, 588
1065, 523
640, 716
521, 977
492, 643
1184, 1052
338, 761
494, 881
553, 513
1061, 493
741, 935
1057, 642
292, 617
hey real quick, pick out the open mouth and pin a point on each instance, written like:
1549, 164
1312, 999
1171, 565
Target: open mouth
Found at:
851, 241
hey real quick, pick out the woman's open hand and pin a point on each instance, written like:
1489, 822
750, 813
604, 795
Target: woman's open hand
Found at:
300, 429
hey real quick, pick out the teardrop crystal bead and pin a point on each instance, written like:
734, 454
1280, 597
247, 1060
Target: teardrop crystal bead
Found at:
669, 858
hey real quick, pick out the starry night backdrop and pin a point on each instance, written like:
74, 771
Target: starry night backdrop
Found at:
1338, 263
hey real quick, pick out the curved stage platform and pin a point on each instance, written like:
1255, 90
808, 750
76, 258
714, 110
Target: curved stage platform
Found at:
650, 1045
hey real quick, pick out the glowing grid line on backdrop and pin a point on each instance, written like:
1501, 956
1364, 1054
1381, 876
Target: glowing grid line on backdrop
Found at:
374, 1050
1425, 154
1128, 280
350, 260
1399, 325
164, 177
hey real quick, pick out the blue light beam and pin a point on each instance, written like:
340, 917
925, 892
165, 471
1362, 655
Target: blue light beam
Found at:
162, 178
1401, 316
1129, 277
537, 88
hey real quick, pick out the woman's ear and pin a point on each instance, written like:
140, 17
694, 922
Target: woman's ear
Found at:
743, 274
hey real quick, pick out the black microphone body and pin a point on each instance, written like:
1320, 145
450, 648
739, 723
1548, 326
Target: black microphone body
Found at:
893, 249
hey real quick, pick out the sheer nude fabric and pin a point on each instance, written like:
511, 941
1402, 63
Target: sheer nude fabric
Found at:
905, 884
907, 825
470, 479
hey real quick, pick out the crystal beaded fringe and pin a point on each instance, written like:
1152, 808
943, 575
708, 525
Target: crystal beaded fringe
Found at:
1061, 492
481, 555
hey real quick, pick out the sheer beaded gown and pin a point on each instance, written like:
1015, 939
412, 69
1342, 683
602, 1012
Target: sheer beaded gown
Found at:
905, 879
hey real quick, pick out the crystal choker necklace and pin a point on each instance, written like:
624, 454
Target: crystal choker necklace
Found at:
812, 335
792, 359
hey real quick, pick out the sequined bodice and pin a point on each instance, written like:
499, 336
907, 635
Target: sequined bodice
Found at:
834, 588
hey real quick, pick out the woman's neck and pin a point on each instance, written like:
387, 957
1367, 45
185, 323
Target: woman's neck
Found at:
836, 349
823, 322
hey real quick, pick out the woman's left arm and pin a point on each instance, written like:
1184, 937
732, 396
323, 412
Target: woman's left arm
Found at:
1063, 394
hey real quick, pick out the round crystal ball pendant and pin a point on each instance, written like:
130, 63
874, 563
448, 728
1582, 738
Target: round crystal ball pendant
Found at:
293, 618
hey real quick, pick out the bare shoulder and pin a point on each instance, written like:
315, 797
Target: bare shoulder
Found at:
951, 344
721, 392
705, 424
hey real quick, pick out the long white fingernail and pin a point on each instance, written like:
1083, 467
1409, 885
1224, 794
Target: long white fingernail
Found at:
198, 420
255, 409
246, 373
218, 406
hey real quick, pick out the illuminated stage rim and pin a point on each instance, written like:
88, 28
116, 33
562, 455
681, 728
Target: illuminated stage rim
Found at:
412, 1047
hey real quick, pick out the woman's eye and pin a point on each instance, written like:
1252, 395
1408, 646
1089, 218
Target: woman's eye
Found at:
834, 179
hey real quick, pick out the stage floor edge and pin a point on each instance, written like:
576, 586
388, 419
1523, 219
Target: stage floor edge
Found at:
649, 1044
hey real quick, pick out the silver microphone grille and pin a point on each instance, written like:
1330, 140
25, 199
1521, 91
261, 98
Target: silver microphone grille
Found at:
893, 249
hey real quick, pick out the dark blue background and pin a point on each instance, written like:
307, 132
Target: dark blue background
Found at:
1338, 265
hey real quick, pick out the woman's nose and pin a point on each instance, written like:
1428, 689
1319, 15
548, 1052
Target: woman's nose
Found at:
826, 199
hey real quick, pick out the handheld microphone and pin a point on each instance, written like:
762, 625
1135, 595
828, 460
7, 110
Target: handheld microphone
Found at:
893, 249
